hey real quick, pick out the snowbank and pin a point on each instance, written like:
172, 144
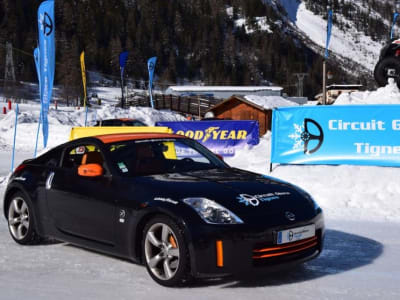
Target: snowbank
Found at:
389, 94
62, 120
270, 102
344, 192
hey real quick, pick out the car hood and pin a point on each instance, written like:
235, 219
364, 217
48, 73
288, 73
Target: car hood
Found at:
246, 194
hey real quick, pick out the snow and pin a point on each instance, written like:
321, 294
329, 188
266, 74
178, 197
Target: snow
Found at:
261, 23
361, 206
390, 94
349, 44
270, 102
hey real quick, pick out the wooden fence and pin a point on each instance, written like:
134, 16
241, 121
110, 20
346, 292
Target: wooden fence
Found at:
190, 105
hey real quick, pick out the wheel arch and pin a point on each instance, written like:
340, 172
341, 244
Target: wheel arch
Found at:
136, 243
7, 199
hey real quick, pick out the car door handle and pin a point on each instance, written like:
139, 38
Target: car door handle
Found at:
49, 180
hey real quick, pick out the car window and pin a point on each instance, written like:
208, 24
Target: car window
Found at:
82, 154
160, 156
51, 158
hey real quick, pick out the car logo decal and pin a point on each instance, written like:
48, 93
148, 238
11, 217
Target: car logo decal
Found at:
290, 216
254, 200
248, 200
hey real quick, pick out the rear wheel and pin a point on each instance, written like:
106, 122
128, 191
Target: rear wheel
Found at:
388, 67
165, 252
20, 220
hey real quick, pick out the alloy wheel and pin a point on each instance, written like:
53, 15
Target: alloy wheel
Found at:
18, 218
162, 251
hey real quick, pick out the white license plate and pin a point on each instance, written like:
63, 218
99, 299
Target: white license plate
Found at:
295, 234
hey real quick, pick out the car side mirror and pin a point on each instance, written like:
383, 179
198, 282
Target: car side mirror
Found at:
90, 170
220, 157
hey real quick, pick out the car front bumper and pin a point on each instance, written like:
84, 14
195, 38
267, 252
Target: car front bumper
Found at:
237, 250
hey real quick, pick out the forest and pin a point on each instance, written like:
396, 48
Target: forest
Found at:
195, 41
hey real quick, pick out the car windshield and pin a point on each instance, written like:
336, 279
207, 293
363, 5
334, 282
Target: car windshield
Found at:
160, 156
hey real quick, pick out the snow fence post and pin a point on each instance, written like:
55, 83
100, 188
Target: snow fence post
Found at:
15, 134
86, 115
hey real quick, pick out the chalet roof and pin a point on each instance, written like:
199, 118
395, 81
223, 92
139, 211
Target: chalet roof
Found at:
194, 88
236, 97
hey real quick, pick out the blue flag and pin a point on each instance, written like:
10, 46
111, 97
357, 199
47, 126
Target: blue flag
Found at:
123, 57
151, 65
328, 32
46, 26
395, 15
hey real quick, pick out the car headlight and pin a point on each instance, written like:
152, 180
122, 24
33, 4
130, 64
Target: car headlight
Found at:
212, 212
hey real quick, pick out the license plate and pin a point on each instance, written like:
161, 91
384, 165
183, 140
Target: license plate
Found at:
295, 234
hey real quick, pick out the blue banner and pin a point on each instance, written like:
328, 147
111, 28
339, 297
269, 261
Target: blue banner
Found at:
221, 137
395, 16
123, 57
356, 134
46, 26
151, 65
328, 32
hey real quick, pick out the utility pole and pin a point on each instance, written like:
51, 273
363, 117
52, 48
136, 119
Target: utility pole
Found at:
300, 84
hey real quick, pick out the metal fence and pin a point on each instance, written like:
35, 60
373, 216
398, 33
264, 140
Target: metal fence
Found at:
191, 105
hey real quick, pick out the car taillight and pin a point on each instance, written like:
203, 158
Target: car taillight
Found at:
19, 168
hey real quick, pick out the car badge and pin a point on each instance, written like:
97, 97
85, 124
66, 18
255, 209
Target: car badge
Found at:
290, 216
122, 214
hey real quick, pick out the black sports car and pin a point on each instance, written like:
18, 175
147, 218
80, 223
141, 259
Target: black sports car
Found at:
165, 201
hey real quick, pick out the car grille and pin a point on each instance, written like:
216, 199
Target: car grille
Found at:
286, 252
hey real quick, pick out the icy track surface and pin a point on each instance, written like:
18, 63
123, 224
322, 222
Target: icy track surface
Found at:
360, 261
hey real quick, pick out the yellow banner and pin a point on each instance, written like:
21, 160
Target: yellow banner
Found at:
80, 132
83, 76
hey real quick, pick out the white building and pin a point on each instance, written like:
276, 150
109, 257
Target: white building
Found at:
224, 92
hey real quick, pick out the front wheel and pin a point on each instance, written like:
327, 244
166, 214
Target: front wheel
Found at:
165, 252
388, 67
20, 220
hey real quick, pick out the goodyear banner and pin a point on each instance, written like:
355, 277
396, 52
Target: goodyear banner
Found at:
356, 134
83, 69
46, 29
221, 137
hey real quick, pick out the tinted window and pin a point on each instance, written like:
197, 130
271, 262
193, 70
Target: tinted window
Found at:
82, 154
160, 156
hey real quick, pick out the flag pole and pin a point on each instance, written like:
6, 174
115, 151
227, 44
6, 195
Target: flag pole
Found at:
15, 134
37, 133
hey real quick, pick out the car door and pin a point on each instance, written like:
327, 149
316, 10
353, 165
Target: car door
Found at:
82, 206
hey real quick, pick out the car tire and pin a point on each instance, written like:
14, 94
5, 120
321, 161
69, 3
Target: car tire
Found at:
21, 222
380, 72
165, 252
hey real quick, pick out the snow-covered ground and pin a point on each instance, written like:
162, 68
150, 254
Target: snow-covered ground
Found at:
349, 43
359, 261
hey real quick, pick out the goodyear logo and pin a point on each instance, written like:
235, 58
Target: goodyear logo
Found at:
214, 133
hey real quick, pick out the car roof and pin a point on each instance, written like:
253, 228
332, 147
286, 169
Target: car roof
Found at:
120, 137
